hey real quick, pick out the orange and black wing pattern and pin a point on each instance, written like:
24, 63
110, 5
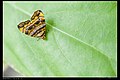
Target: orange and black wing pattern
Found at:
35, 27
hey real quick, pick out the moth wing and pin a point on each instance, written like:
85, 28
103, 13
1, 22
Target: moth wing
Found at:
36, 14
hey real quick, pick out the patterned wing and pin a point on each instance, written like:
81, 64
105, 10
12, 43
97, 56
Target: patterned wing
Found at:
36, 27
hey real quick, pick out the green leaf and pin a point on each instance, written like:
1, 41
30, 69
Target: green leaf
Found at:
81, 39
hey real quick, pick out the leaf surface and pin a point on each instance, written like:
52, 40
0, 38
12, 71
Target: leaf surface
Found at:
81, 39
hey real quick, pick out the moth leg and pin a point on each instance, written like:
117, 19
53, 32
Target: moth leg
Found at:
38, 39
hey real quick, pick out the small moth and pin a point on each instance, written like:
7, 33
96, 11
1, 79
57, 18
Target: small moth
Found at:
35, 27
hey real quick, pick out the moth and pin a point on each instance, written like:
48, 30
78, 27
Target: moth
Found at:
35, 27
